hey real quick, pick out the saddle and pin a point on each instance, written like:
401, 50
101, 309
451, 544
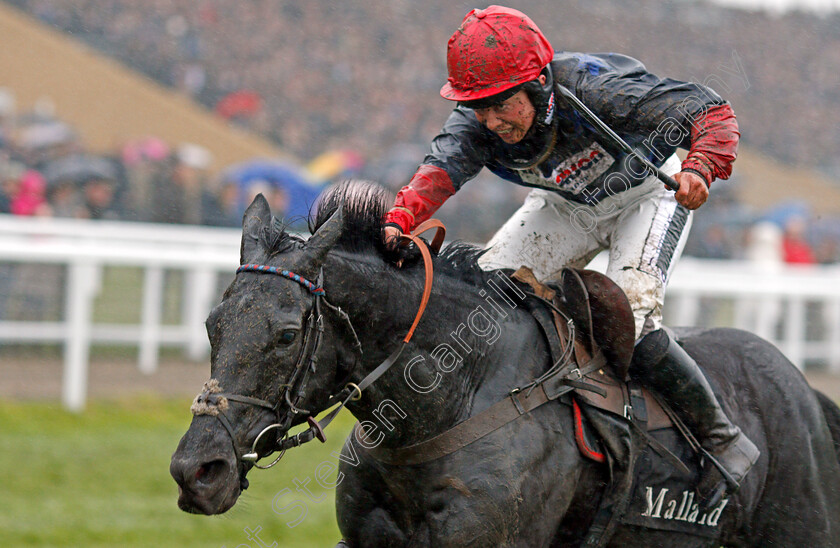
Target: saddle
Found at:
605, 327
614, 416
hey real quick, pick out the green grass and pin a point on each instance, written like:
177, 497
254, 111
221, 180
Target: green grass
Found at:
101, 478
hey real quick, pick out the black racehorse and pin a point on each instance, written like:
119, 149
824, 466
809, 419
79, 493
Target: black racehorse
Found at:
304, 322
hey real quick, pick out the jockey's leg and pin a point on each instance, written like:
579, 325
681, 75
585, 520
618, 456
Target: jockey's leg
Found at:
646, 241
662, 365
543, 236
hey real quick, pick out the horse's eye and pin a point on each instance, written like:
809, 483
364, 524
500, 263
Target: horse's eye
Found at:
287, 336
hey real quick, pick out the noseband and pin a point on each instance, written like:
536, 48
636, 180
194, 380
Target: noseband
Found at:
212, 401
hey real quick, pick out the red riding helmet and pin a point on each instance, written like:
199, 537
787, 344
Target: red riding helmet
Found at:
492, 51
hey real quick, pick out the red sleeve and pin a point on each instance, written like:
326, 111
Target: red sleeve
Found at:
714, 143
424, 194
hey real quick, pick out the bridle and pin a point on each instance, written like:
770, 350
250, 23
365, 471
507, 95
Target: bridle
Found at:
214, 401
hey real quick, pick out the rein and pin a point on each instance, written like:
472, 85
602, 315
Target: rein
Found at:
212, 401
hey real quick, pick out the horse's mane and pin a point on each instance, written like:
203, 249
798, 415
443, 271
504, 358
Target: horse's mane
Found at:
364, 205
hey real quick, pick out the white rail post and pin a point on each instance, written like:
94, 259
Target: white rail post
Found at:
82, 286
794, 330
831, 314
201, 286
687, 309
151, 317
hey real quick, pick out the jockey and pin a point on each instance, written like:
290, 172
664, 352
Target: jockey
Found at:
589, 195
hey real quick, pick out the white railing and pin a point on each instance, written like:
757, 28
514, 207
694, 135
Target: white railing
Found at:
795, 307
85, 248
774, 303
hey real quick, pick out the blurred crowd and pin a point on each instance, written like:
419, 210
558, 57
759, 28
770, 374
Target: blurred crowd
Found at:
46, 171
312, 76
363, 76
790, 232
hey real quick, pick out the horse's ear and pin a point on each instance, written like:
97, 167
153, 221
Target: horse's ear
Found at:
257, 216
323, 240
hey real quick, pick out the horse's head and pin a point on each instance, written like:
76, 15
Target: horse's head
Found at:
268, 336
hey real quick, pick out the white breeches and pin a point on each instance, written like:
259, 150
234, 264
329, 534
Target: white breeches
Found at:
644, 229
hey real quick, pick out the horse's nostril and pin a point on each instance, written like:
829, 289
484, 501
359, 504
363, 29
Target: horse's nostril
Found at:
209, 472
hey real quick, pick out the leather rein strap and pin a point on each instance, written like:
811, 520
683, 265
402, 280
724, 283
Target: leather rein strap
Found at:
437, 241
414, 237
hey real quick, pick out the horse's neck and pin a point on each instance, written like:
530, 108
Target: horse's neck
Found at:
468, 352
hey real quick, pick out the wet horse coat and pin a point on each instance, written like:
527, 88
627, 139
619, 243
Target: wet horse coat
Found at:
525, 484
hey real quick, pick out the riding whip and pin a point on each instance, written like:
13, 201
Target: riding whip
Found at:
590, 117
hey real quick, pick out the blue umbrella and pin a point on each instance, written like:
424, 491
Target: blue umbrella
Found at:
292, 179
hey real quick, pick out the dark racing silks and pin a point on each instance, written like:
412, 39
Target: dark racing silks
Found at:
654, 115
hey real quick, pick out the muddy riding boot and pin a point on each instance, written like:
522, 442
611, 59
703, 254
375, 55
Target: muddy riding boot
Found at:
662, 365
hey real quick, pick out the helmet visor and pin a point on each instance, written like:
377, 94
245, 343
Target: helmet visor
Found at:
492, 101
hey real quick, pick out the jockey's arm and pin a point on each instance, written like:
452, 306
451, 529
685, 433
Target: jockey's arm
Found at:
713, 149
428, 189
631, 100
456, 156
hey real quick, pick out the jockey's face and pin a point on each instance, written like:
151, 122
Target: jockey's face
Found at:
511, 119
